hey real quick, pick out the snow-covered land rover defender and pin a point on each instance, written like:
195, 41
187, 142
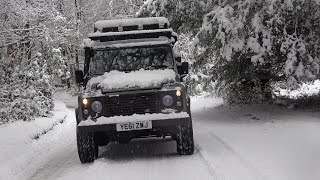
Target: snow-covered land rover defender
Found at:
131, 87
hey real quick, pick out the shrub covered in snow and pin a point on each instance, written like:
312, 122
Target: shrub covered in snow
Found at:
26, 91
255, 42
249, 44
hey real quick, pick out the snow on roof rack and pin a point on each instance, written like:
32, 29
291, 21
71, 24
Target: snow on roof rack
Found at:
135, 28
133, 24
126, 43
116, 36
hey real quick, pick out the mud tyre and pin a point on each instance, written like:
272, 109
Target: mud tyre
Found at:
185, 141
87, 148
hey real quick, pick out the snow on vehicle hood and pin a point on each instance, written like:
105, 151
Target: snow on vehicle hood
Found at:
141, 79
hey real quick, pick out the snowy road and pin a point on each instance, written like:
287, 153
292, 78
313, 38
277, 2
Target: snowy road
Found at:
140, 159
262, 142
145, 159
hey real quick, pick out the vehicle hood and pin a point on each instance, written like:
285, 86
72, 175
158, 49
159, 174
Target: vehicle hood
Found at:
116, 80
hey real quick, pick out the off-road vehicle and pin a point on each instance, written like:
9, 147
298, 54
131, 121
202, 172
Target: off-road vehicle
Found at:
131, 87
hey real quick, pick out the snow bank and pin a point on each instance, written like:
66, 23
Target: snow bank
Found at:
141, 78
306, 89
134, 118
19, 133
18, 138
199, 103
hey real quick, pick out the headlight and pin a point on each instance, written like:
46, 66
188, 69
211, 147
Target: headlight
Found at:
167, 100
84, 101
96, 106
178, 93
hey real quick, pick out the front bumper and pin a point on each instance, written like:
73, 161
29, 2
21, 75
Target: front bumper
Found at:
157, 125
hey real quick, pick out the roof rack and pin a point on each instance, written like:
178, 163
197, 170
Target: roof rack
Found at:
125, 43
116, 36
136, 28
134, 24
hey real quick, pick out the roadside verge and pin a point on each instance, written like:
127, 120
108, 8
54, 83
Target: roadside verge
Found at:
18, 137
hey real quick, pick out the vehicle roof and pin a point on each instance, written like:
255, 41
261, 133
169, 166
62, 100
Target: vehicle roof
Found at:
136, 34
99, 25
99, 34
127, 43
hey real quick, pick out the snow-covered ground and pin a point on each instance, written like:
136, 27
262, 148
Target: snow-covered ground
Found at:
261, 142
306, 89
245, 142
24, 143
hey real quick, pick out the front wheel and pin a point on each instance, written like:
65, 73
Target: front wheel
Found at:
87, 148
185, 142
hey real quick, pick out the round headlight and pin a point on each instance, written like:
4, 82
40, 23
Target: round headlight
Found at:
178, 93
85, 101
96, 106
167, 100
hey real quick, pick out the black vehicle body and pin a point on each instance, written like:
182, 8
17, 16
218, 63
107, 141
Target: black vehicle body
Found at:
132, 103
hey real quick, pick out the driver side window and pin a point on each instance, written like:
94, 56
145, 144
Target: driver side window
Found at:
98, 64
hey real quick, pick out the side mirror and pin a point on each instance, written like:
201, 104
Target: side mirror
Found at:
178, 59
79, 76
185, 68
177, 56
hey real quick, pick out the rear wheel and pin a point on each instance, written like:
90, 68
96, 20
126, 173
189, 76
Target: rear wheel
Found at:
87, 148
185, 142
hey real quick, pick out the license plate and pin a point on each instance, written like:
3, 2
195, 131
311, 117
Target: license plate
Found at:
134, 126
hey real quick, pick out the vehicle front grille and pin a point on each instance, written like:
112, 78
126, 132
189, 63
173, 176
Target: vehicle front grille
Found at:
129, 104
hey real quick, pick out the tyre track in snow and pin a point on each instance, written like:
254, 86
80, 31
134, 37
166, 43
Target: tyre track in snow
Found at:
61, 150
140, 159
223, 160
56, 166
226, 163
206, 162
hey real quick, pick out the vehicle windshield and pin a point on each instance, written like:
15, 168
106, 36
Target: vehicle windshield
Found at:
130, 59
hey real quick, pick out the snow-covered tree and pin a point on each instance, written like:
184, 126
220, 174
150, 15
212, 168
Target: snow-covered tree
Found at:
88, 12
26, 91
38, 84
28, 32
250, 43
184, 15
59, 67
257, 42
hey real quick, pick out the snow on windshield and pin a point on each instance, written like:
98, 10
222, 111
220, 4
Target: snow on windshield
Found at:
142, 78
129, 59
